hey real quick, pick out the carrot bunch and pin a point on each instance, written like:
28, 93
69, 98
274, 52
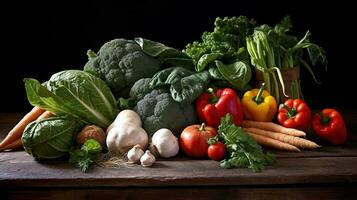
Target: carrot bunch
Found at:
13, 138
275, 136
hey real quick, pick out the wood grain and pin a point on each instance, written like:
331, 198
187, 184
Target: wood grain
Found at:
198, 193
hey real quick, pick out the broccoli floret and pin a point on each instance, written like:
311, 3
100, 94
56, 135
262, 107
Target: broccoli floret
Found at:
158, 110
140, 89
120, 63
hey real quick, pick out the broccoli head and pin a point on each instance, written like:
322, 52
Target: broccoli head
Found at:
120, 63
158, 110
140, 89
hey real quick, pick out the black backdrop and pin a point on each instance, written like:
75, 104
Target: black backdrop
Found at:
41, 38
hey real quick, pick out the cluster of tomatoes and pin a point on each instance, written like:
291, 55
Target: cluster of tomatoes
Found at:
193, 141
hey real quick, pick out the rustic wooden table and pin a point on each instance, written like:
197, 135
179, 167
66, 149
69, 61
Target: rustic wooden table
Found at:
327, 173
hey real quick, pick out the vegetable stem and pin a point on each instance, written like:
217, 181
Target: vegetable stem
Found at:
291, 111
324, 120
203, 127
214, 97
258, 99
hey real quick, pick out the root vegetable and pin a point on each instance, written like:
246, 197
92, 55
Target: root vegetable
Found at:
269, 142
45, 115
270, 126
91, 132
17, 131
14, 145
164, 143
296, 141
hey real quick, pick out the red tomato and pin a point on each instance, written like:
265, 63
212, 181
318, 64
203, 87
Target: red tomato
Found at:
193, 140
217, 151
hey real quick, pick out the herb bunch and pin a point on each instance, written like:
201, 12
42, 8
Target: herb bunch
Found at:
244, 151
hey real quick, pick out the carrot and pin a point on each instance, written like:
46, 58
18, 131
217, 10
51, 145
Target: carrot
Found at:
45, 115
16, 132
269, 142
270, 126
296, 141
15, 145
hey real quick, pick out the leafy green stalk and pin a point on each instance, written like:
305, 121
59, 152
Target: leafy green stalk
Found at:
275, 47
244, 151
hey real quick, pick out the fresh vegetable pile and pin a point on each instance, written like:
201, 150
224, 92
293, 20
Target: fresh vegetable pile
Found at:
140, 100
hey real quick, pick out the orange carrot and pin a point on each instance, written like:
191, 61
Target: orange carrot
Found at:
270, 126
16, 132
45, 115
269, 142
296, 141
15, 145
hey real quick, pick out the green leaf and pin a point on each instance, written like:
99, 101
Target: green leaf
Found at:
215, 74
237, 73
185, 85
165, 54
75, 93
39, 95
205, 60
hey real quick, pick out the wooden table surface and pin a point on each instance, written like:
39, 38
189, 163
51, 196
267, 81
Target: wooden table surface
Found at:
327, 173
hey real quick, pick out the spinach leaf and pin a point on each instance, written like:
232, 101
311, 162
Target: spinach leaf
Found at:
50, 138
75, 93
237, 73
185, 85
165, 54
207, 59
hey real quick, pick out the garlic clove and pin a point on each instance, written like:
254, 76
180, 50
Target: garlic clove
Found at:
147, 159
134, 154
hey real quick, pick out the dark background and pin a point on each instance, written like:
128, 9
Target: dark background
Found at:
41, 38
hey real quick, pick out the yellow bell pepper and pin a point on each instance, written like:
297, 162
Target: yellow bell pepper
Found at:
259, 105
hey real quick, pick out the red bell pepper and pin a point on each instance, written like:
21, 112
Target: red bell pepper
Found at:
211, 106
329, 125
294, 114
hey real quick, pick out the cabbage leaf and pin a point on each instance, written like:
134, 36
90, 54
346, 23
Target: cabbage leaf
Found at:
76, 93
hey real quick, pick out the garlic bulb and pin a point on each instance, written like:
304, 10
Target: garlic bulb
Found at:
147, 159
134, 154
164, 143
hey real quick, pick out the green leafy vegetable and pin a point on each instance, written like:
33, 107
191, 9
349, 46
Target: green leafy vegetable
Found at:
120, 63
165, 54
50, 138
76, 93
226, 44
185, 85
86, 155
244, 151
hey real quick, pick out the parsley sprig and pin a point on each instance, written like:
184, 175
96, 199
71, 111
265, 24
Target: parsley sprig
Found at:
244, 151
